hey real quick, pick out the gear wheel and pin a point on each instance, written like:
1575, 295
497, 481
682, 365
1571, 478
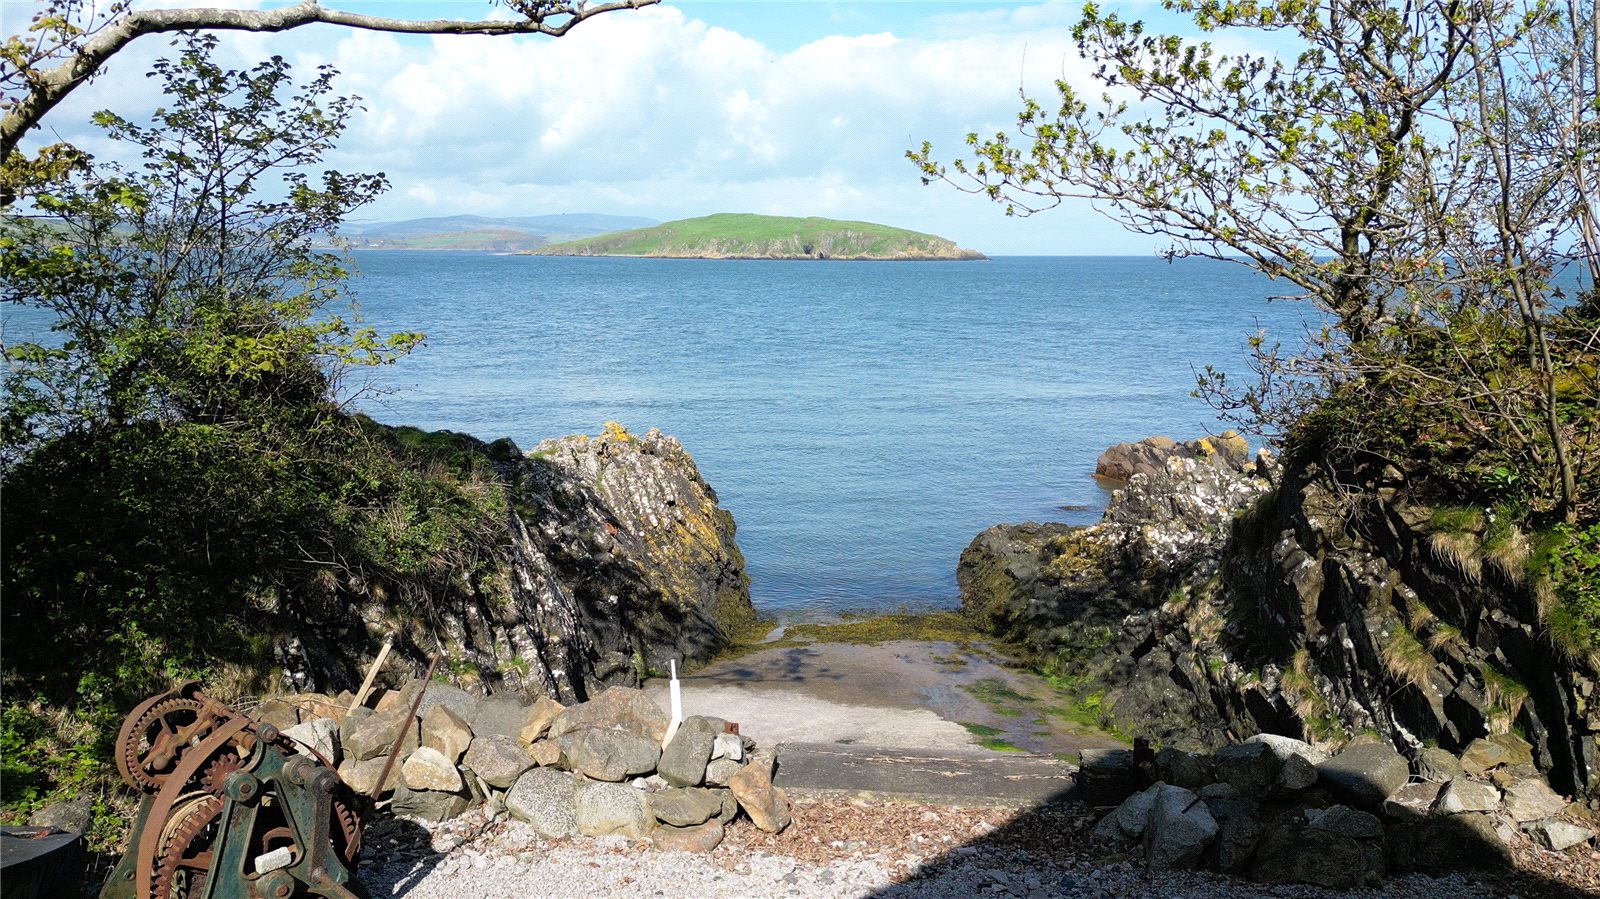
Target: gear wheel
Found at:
347, 834
216, 773
184, 860
150, 742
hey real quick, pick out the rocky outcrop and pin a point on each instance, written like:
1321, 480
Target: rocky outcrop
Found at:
614, 559
1213, 602
1149, 456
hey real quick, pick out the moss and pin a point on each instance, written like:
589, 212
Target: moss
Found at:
949, 627
980, 730
999, 745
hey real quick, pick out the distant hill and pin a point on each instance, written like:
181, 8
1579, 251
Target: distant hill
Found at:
477, 232
742, 236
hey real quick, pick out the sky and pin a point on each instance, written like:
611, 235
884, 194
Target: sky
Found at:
678, 110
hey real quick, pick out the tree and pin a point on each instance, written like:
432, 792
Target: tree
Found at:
1423, 171
69, 41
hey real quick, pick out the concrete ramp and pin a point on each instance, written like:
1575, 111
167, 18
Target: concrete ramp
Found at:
946, 776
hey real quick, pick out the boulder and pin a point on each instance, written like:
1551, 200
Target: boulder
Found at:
1294, 853
320, 705
374, 736
1364, 775
317, 737
1441, 846
546, 754
444, 730
727, 746
1184, 769
1250, 768
278, 712
1179, 829
1466, 795
449, 696
363, 776
497, 759
720, 771
687, 806
1343, 819
1483, 755
683, 762
1130, 817
429, 805
1149, 456
607, 808
612, 755
499, 713
620, 708
766, 804
1412, 802
698, 838
547, 800
1531, 799
537, 722
73, 815
1435, 765
428, 769
1239, 829
349, 723
1558, 835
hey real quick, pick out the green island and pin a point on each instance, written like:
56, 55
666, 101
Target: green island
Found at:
744, 236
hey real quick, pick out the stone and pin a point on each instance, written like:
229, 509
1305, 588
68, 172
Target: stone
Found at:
537, 722
429, 805
1294, 853
1184, 769
1558, 835
429, 769
499, 713
1532, 799
622, 708
1364, 775
686, 806
375, 736
683, 762
349, 724
1466, 795
546, 754
278, 712
1435, 765
1219, 791
1131, 816
1441, 846
720, 771
612, 755
1411, 802
444, 730
497, 759
546, 799
463, 704
1343, 819
766, 804
1239, 829
363, 776
611, 808
727, 746
1250, 768
1179, 829
318, 737
73, 815
699, 838
1491, 752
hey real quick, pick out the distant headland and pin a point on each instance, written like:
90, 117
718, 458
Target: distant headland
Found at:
744, 236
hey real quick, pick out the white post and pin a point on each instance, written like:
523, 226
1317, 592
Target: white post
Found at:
675, 699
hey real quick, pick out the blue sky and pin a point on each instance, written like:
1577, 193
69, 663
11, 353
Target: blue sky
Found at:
684, 109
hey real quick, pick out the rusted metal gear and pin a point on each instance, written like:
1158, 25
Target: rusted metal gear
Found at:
346, 833
151, 741
185, 848
216, 773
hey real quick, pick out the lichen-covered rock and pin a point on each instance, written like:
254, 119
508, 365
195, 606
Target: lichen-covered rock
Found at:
1559, 836
546, 799
1483, 755
612, 755
497, 759
502, 713
687, 806
683, 762
463, 704
618, 708
428, 769
1531, 799
447, 732
607, 808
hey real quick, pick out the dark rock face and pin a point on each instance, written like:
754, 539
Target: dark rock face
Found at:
1212, 603
616, 558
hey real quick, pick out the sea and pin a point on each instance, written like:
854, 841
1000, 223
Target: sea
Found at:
863, 421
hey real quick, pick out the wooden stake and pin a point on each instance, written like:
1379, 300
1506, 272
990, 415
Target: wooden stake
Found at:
372, 672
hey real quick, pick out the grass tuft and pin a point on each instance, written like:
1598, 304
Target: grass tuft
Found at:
1405, 657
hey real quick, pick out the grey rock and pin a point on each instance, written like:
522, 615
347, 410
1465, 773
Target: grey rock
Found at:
429, 805
1294, 853
1219, 791
1179, 829
687, 806
1250, 768
612, 755
363, 776
1134, 813
1440, 846
1482, 756
1343, 819
1239, 829
375, 736
428, 769
547, 800
610, 808
727, 746
1435, 765
1531, 799
1466, 795
445, 731
73, 815
683, 762
1412, 802
352, 720
1184, 769
1559, 835
449, 696
1364, 775
320, 736
499, 713
720, 771
622, 708
497, 759
699, 838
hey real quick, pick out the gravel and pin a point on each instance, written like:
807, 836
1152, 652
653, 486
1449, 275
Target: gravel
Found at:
836, 848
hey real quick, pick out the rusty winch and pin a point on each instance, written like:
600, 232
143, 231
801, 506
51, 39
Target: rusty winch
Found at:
232, 808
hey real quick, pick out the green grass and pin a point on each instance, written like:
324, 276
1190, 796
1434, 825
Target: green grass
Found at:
764, 236
999, 745
980, 730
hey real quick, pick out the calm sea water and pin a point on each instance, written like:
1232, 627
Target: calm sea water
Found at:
862, 421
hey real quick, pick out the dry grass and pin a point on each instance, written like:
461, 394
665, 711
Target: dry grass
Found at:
1405, 657
1506, 695
1443, 636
